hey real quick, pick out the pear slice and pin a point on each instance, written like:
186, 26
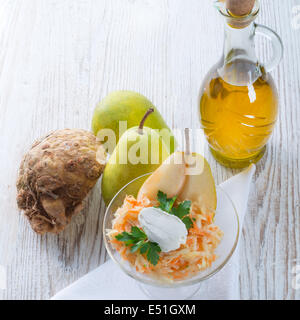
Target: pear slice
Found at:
187, 176
199, 184
168, 178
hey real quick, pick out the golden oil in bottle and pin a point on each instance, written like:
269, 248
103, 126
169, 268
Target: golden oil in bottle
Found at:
238, 120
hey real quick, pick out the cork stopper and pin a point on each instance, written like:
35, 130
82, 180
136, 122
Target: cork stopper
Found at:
240, 7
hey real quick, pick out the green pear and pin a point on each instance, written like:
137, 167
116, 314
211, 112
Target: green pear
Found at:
140, 150
128, 106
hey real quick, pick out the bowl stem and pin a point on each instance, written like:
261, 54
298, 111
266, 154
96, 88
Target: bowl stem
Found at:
160, 293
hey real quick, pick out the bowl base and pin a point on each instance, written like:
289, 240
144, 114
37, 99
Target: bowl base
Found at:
179, 293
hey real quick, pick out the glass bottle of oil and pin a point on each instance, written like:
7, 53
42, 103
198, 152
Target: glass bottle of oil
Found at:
238, 100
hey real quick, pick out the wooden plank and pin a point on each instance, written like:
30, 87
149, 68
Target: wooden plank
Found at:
58, 58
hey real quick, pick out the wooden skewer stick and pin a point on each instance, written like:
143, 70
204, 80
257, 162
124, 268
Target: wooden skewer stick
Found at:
187, 141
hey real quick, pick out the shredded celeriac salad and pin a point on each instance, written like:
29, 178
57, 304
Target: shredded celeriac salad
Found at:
195, 255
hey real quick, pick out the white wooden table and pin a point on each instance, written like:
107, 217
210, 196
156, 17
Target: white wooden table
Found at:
58, 58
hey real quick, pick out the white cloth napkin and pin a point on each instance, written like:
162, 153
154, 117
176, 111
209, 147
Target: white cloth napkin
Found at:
108, 282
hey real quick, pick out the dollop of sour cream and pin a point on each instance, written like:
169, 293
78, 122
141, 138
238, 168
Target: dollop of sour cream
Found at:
167, 230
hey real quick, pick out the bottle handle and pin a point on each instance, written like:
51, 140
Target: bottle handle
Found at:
276, 44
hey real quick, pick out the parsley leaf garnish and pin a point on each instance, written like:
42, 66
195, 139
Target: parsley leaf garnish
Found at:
138, 233
138, 240
152, 254
188, 222
164, 203
126, 237
137, 246
182, 211
152, 250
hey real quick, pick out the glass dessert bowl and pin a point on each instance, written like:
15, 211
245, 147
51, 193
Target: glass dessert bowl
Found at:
226, 219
